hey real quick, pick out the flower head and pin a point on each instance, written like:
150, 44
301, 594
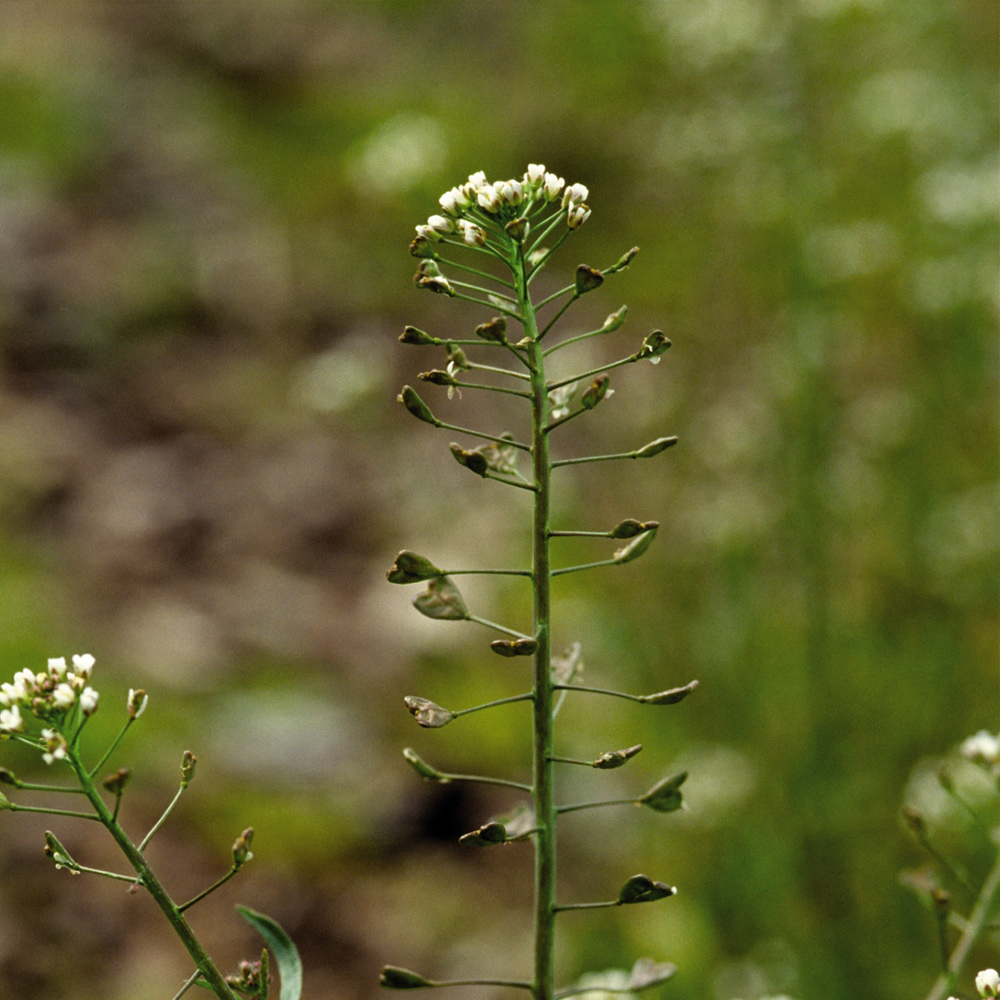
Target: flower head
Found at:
982, 748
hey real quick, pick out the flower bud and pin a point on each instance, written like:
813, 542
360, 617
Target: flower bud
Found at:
241, 848
623, 261
409, 398
988, 983
587, 279
428, 234
188, 764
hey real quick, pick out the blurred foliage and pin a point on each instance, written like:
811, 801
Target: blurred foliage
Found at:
204, 215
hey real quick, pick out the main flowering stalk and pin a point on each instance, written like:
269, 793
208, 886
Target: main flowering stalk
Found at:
508, 222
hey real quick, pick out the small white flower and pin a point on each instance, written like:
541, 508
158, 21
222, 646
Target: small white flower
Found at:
11, 721
577, 215
55, 745
983, 748
535, 173
25, 681
471, 233
478, 179
57, 666
510, 192
559, 400
63, 696
552, 186
454, 201
427, 233
488, 199
88, 701
575, 194
83, 665
441, 224
988, 983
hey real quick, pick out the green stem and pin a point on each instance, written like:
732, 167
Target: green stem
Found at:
494, 704
577, 806
978, 920
543, 744
147, 878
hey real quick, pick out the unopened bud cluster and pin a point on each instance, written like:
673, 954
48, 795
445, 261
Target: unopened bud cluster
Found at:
48, 695
477, 208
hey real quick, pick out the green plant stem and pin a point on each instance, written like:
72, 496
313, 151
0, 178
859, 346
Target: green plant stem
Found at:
543, 743
111, 749
14, 807
527, 696
976, 925
148, 879
205, 892
156, 826
577, 806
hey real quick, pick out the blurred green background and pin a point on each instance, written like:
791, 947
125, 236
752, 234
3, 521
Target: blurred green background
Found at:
205, 209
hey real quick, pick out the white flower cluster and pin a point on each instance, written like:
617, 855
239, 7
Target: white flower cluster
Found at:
467, 207
48, 694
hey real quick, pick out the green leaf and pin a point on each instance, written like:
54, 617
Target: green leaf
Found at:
665, 796
427, 714
635, 548
394, 978
285, 952
642, 889
442, 600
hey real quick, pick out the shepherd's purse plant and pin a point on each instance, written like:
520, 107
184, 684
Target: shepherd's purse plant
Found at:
48, 710
515, 226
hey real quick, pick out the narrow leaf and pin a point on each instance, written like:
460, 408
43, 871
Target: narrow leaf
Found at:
285, 952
